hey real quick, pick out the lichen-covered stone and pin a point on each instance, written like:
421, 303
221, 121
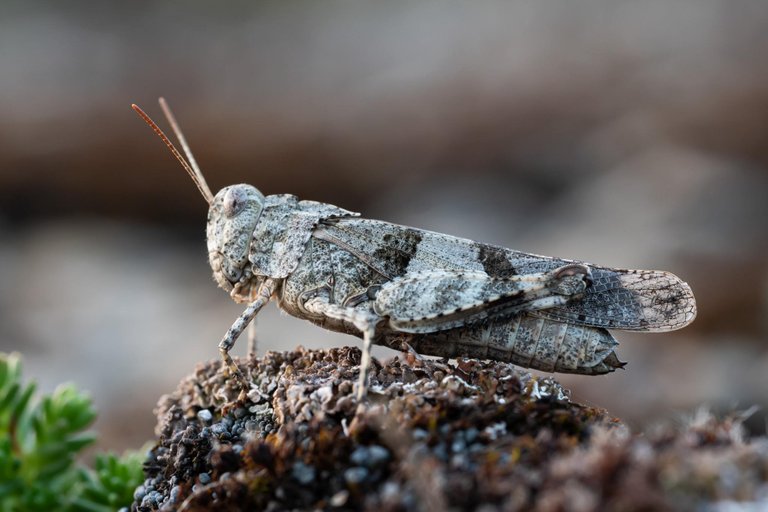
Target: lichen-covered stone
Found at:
434, 435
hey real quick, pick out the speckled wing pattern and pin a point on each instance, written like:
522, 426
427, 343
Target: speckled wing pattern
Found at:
425, 302
639, 300
631, 300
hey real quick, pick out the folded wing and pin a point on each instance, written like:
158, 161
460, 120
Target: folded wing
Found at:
636, 300
630, 300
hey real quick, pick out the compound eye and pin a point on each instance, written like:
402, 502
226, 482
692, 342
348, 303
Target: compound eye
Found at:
234, 200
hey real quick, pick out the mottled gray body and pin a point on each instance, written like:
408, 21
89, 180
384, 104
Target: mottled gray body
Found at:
442, 295
343, 278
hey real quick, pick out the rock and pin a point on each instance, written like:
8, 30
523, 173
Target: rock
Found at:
487, 436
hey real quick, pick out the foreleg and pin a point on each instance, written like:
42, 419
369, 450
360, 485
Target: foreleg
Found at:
263, 296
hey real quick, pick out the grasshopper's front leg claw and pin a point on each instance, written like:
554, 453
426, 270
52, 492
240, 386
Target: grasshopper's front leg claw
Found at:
231, 366
242, 382
262, 298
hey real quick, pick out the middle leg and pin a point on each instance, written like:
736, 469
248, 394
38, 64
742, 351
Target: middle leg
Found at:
365, 321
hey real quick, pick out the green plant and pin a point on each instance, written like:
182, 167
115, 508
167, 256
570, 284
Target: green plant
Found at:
111, 483
40, 438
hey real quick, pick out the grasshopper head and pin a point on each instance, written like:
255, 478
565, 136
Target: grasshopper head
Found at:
233, 215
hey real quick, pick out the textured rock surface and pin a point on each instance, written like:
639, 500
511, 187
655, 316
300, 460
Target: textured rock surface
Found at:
463, 435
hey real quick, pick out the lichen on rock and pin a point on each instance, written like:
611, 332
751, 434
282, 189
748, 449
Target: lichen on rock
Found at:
433, 435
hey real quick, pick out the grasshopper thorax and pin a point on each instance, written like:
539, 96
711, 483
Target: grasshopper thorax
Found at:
232, 218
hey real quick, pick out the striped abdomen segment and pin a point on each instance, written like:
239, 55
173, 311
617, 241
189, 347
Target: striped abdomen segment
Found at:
552, 346
528, 341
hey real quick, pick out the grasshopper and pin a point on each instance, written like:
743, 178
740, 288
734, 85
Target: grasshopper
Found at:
408, 288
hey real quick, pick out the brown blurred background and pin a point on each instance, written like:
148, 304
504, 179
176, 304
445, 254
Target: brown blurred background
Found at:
630, 134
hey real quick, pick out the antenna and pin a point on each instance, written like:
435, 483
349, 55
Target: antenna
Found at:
183, 141
193, 170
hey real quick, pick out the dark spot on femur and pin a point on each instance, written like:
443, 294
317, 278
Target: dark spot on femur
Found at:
495, 261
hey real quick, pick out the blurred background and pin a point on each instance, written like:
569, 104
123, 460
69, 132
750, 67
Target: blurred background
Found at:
629, 134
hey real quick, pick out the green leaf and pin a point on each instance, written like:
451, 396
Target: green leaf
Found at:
40, 439
113, 481
6, 404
